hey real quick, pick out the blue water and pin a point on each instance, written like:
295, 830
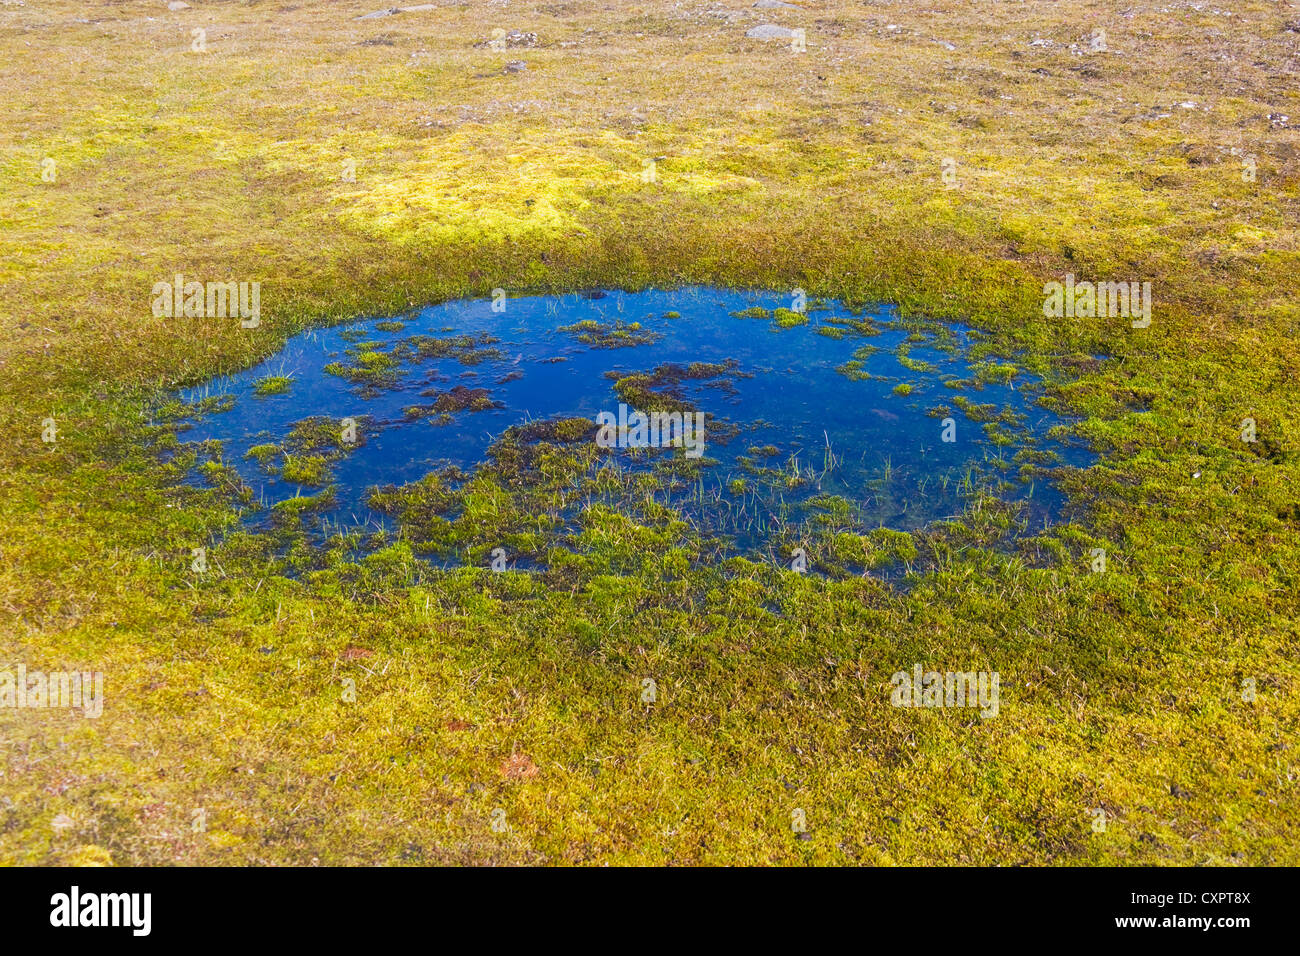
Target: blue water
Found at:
856, 439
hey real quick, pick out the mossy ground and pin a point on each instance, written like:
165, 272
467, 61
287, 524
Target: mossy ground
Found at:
352, 177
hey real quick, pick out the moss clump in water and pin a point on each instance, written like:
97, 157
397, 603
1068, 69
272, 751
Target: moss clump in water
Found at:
369, 367
305, 470
262, 454
660, 389
603, 335
292, 511
460, 398
310, 448
465, 349
272, 385
994, 373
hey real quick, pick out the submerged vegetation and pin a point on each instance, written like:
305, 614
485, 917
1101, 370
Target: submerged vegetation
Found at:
350, 700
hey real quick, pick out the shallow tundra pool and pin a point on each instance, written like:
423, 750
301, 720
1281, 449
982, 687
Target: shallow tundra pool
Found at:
749, 419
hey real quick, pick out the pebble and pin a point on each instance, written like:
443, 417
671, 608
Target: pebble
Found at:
770, 31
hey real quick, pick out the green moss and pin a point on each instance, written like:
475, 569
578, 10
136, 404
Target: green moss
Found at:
305, 470
610, 335
1123, 688
262, 454
911, 364
995, 373
272, 385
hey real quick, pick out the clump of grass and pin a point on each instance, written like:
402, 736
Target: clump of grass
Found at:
272, 385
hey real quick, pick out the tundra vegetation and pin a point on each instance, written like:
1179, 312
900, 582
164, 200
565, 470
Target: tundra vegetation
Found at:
952, 158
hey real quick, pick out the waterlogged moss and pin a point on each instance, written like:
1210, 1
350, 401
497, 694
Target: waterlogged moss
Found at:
788, 319
903, 388
368, 367
853, 371
874, 550
754, 312
210, 405
993, 372
605, 335
319, 434
292, 511
976, 411
860, 326
465, 349
263, 453
272, 385
377, 365
997, 433
661, 388
312, 446
305, 469
912, 365
459, 398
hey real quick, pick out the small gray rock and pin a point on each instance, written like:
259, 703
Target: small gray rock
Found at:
770, 31
516, 66
775, 5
